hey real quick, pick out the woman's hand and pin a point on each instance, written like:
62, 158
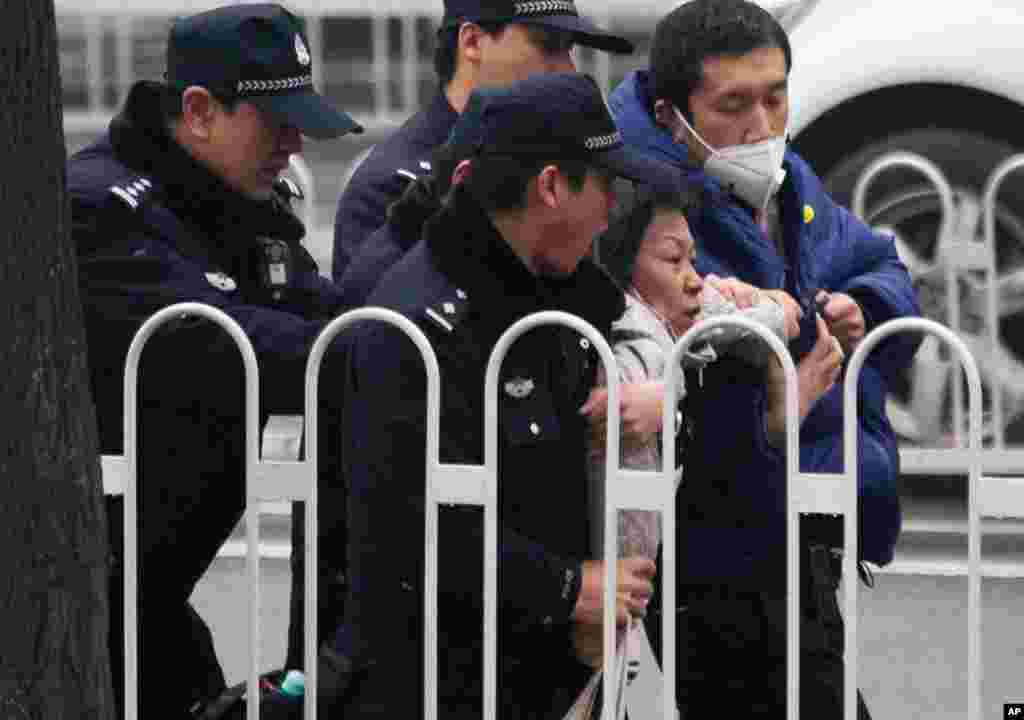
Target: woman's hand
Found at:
639, 411
743, 295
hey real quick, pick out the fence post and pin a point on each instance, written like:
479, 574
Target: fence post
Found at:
945, 246
989, 196
618, 494
120, 473
969, 461
323, 341
805, 492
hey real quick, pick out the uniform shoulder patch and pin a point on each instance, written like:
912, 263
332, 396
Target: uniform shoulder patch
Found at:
407, 175
132, 192
448, 313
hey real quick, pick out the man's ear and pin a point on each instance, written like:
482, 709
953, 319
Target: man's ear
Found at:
462, 171
547, 182
664, 115
468, 46
198, 108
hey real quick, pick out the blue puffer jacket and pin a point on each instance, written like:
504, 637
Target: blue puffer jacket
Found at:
732, 512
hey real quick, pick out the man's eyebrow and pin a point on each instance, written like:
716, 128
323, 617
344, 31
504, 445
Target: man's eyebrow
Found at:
747, 91
678, 241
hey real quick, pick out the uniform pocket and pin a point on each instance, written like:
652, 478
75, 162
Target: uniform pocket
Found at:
527, 413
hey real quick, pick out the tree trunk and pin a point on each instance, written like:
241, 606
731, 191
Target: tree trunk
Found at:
53, 551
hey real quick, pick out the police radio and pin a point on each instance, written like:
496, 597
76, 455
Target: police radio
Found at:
275, 266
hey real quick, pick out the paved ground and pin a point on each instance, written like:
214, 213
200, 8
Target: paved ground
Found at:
913, 638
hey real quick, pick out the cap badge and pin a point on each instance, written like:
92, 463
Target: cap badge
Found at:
301, 51
221, 281
519, 388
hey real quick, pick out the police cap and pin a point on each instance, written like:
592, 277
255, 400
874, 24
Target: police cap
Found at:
555, 14
257, 53
560, 116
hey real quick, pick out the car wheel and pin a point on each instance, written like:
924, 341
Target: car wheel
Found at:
901, 201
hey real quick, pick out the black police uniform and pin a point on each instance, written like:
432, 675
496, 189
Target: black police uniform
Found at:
463, 286
384, 174
152, 227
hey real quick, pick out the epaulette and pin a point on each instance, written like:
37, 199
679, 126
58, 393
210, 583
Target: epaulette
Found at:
132, 192
288, 189
408, 175
447, 314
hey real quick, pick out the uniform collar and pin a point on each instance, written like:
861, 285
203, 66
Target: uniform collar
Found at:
473, 254
441, 117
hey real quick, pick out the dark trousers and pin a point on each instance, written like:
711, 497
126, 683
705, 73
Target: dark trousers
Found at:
731, 642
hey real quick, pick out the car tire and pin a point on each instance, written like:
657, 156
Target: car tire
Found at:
902, 198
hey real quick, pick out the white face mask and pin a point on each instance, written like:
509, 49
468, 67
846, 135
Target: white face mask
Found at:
751, 172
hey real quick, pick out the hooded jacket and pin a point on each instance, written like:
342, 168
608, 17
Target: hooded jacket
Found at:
732, 513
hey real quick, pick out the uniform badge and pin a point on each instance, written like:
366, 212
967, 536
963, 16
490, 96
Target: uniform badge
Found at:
519, 388
221, 281
301, 51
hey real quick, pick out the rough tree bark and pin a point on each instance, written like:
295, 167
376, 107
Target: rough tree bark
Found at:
53, 605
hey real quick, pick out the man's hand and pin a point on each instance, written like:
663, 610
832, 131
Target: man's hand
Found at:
640, 414
844, 317
791, 311
588, 643
633, 591
816, 374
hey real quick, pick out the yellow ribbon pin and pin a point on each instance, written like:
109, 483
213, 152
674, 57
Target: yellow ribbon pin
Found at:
808, 214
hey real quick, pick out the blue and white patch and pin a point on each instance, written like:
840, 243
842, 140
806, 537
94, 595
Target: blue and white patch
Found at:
221, 281
448, 313
519, 388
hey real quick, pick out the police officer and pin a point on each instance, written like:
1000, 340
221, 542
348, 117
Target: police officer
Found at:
480, 43
509, 241
181, 201
407, 215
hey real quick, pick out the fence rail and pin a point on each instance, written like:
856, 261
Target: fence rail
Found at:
276, 480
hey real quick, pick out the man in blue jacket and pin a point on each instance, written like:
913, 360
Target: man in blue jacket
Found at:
181, 201
481, 43
714, 102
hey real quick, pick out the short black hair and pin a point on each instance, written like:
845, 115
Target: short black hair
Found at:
446, 50
170, 102
617, 247
700, 29
498, 182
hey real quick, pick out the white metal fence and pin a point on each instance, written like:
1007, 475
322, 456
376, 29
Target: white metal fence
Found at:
268, 480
